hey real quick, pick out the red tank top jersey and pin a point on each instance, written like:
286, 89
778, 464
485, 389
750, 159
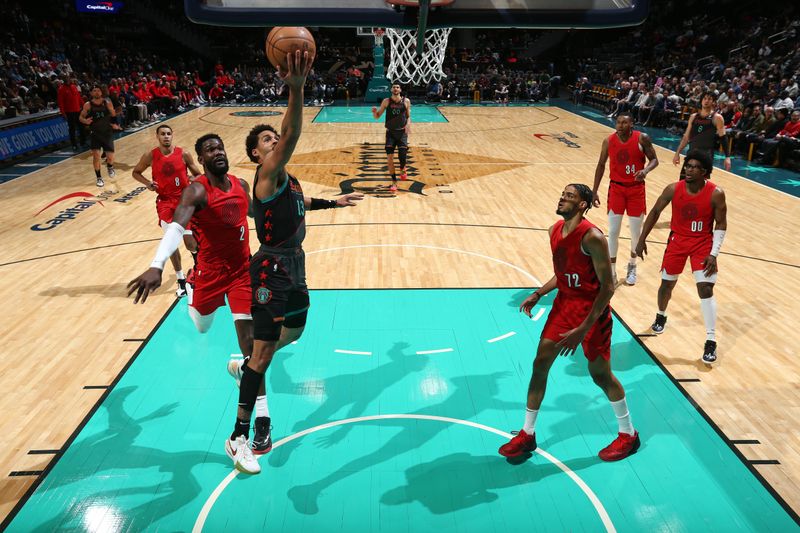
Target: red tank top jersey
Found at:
575, 275
221, 227
692, 214
169, 174
627, 158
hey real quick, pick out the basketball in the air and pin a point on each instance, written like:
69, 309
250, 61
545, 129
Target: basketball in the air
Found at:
283, 40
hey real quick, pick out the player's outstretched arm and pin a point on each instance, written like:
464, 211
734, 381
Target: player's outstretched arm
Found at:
594, 242
312, 204
193, 196
144, 162
720, 228
650, 154
599, 170
652, 217
299, 65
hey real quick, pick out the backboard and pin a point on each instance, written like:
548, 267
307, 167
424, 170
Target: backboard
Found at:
460, 14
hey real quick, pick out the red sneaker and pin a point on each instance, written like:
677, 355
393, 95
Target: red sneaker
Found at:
520, 444
623, 446
404, 175
393, 187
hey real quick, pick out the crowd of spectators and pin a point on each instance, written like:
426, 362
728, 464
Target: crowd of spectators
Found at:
755, 85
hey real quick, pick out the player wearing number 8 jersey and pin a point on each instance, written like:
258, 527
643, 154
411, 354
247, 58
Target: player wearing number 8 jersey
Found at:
632, 157
170, 178
697, 230
580, 315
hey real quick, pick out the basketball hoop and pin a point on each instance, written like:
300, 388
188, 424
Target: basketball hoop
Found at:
409, 65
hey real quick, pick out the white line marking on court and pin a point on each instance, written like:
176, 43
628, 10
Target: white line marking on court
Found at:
598, 505
501, 337
428, 247
426, 352
294, 342
354, 352
538, 315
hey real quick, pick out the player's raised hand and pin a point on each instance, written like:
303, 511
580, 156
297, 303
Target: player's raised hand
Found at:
349, 199
143, 285
529, 302
299, 64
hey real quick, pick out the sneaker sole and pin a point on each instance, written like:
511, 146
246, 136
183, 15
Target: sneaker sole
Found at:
243, 470
520, 454
262, 452
709, 363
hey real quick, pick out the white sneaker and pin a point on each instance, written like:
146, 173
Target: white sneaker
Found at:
100, 182
180, 292
630, 279
242, 455
235, 370
112, 173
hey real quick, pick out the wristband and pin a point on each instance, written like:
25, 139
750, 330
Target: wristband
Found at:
719, 236
319, 203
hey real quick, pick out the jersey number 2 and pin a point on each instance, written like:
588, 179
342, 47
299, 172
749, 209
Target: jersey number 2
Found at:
241, 233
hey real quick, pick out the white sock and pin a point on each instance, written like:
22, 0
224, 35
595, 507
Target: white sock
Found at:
636, 230
614, 225
530, 420
261, 406
620, 408
179, 274
709, 308
663, 313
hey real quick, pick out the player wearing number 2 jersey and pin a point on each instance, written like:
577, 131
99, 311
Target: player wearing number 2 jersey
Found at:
581, 315
697, 229
632, 158
170, 178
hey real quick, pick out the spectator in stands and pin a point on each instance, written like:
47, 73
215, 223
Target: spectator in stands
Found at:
435, 91
70, 103
784, 141
582, 89
783, 101
501, 93
216, 94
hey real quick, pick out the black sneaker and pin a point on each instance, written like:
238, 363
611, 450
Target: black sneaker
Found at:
710, 353
262, 439
181, 291
659, 324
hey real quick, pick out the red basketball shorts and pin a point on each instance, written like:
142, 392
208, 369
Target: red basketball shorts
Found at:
622, 199
680, 247
568, 314
166, 210
212, 285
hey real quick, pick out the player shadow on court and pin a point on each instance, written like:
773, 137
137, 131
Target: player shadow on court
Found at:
461, 480
472, 395
114, 290
106, 454
340, 393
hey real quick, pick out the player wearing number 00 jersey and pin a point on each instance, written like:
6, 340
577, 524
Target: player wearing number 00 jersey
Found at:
632, 157
697, 230
581, 315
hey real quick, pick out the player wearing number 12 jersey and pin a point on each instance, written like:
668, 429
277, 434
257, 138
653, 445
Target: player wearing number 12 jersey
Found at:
580, 315
632, 158
697, 229
170, 178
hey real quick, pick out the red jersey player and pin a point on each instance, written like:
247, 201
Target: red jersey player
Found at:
580, 315
170, 178
697, 230
627, 150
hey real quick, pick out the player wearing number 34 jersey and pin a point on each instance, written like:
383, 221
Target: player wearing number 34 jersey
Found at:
580, 316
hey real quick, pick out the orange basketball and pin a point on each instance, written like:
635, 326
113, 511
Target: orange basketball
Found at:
283, 40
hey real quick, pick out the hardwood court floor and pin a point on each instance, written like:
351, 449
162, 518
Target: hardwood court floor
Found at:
490, 190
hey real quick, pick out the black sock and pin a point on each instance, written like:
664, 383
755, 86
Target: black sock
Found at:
394, 176
194, 256
242, 427
97, 173
110, 166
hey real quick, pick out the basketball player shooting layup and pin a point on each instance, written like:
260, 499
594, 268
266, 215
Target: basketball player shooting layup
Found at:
580, 315
170, 178
398, 126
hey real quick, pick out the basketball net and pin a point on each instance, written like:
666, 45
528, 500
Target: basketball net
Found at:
406, 66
